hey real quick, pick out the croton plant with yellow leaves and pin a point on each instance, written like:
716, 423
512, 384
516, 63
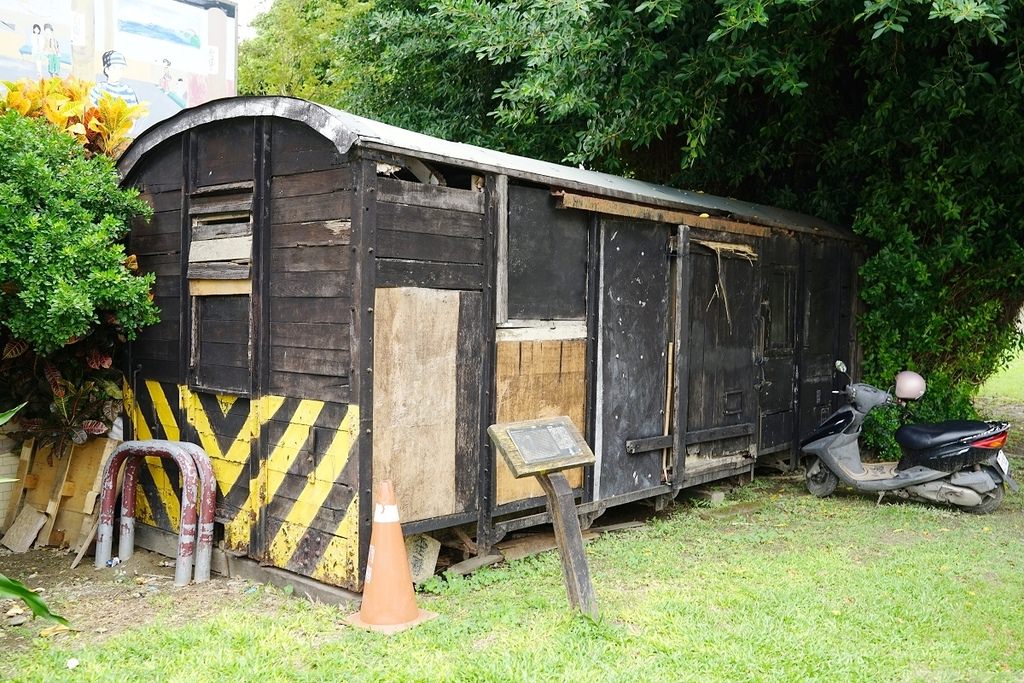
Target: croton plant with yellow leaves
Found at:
64, 102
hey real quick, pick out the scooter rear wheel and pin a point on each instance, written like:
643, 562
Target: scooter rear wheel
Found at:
992, 500
820, 480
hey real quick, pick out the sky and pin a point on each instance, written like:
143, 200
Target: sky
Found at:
247, 11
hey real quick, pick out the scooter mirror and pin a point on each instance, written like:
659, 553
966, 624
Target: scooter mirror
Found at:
841, 366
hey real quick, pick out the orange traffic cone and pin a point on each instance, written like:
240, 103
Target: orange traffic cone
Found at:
389, 602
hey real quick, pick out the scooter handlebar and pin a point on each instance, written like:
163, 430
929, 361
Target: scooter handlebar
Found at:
865, 397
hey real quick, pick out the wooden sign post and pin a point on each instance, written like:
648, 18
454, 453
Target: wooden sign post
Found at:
542, 449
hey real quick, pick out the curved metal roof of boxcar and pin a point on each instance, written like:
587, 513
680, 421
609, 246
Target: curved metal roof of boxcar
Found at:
346, 130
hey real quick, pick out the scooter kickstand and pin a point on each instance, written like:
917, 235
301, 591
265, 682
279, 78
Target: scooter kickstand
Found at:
881, 495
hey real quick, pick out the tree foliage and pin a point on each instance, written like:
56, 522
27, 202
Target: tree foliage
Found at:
294, 52
900, 118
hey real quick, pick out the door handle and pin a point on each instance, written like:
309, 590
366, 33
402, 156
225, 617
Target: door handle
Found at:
762, 383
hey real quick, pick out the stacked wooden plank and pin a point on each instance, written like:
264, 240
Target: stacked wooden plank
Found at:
54, 499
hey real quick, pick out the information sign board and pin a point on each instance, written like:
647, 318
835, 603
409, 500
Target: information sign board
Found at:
545, 445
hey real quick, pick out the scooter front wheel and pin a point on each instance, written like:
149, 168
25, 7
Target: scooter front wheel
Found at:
820, 480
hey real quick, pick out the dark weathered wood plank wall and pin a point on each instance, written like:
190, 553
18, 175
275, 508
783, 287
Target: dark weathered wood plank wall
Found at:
157, 245
222, 361
429, 236
310, 266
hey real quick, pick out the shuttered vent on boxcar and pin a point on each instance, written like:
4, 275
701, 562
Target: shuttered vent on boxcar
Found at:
220, 283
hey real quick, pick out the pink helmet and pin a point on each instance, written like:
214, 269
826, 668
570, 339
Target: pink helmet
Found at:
910, 386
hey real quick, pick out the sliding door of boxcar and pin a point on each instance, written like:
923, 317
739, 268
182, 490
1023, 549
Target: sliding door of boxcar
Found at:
634, 353
780, 276
721, 411
824, 326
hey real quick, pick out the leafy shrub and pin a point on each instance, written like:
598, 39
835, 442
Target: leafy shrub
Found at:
68, 293
61, 218
70, 394
944, 400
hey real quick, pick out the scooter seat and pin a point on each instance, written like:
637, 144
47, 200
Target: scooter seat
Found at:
918, 437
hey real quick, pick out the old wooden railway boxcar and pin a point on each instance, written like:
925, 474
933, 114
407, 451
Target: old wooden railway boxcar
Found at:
344, 301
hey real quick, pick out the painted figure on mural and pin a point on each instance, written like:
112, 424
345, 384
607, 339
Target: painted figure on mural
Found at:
114, 65
51, 48
179, 93
165, 78
37, 44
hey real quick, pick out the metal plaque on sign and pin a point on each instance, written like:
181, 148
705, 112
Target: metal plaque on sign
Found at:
546, 445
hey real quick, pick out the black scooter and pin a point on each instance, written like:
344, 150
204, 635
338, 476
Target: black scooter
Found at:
958, 462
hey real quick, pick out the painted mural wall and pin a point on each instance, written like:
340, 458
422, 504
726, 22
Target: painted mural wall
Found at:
168, 54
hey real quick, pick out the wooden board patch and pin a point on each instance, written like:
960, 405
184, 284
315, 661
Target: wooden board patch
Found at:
538, 379
224, 249
414, 398
24, 530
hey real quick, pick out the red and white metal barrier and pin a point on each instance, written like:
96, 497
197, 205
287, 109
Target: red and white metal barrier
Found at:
207, 507
196, 481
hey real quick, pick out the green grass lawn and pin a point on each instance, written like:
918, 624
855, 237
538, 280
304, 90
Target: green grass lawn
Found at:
774, 586
1008, 384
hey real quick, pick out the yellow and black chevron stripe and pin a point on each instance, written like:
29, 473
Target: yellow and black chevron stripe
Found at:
286, 469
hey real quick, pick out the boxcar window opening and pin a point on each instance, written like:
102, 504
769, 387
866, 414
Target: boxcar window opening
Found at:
220, 286
781, 323
545, 267
413, 170
220, 352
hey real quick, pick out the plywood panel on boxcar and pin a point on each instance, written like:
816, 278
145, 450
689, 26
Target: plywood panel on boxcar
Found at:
538, 379
547, 257
415, 398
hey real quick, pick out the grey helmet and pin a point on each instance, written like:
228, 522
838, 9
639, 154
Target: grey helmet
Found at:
910, 386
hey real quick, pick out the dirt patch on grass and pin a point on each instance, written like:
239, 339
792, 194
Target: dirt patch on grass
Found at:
100, 603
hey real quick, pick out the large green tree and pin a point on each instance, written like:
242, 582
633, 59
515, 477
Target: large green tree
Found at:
293, 52
900, 118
